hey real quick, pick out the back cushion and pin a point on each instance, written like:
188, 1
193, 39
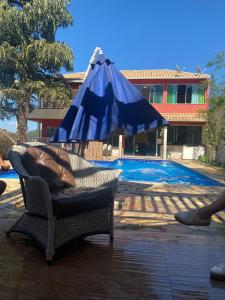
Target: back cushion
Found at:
51, 163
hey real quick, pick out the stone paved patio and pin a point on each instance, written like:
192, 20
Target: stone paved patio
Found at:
152, 256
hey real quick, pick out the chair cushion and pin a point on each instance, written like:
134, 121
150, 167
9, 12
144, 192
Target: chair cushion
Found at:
51, 163
73, 200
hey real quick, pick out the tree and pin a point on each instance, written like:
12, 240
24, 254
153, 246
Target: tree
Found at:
30, 57
215, 131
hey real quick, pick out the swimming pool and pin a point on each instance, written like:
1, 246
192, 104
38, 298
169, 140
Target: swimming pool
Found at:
11, 174
157, 171
148, 170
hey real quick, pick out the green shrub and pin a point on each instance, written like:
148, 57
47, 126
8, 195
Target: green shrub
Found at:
204, 159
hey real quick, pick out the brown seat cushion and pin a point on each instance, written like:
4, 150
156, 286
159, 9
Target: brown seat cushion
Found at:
51, 163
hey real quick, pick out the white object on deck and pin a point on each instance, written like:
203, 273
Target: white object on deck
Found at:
193, 152
165, 143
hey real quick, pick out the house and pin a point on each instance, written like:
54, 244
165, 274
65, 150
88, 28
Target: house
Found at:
181, 97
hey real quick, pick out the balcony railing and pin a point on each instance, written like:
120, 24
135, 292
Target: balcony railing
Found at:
56, 104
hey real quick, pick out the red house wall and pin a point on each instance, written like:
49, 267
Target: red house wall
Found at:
178, 107
49, 123
162, 108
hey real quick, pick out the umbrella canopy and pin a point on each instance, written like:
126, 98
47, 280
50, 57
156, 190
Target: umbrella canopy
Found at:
105, 103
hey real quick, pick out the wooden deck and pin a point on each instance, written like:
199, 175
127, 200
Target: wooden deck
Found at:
152, 256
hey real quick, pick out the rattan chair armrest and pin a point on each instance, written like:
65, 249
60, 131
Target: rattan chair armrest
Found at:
38, 198
94, 177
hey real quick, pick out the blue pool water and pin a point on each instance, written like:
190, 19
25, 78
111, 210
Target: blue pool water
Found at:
148, 170
157, 171
11, 174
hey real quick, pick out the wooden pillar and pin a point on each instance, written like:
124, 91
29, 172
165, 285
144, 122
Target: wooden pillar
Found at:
93, 150
121, 145
165, 143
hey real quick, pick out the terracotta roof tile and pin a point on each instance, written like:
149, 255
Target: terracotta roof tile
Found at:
184, 117
162, 73
148, 74
79, 75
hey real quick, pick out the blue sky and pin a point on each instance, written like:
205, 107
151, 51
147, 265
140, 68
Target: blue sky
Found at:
145, 34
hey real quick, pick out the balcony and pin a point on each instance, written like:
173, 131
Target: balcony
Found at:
51, 110
152, 256
47, 114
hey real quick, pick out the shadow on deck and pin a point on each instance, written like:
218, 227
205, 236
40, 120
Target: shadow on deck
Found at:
152, 256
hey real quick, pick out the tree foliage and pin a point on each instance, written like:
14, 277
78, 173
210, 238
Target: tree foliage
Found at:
218, 62
215, 131
30, 58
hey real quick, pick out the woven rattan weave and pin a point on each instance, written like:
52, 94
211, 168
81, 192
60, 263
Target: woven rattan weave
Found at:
38, 220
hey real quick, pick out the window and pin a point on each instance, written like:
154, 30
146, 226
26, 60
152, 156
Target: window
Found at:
156, 93
144, 90
193, 93
113, 140
198, 93
185, 135
51, 131
181, 93
153, 93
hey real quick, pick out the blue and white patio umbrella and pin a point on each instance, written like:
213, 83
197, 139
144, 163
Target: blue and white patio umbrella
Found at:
105, 103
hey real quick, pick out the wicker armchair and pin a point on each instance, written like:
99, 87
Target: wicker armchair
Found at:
53, 223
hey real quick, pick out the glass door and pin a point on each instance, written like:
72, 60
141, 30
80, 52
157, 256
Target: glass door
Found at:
142, 144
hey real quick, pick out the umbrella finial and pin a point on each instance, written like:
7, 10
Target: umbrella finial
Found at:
97, 51
100, 51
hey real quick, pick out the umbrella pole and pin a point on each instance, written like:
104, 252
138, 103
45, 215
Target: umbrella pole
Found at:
97, 51
107, 149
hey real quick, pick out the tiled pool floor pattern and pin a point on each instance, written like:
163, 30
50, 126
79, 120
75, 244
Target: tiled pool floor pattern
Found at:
152, 256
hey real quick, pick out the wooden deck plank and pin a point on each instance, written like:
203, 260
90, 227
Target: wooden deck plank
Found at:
152, 256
